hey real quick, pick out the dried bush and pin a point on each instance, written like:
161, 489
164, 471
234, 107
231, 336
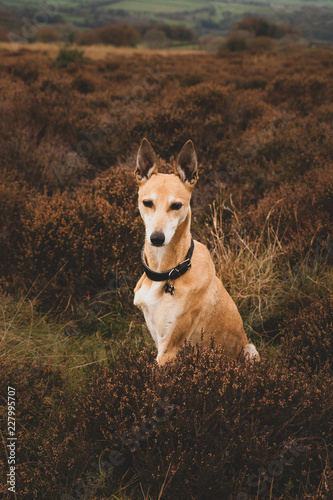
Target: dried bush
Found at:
236, 43
76, 241
119, 35
83, 85
263, 140
302, 210
260, 44
308, 337
260, 27
13, 196
40, 389
208, 113
48, 35
3, 35
67, 56
301, 93
222, 425
250, 139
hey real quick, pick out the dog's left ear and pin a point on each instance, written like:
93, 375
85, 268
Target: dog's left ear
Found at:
187, 165
146, 164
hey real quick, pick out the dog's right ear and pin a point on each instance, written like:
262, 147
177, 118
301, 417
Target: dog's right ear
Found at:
146, 164
187, 165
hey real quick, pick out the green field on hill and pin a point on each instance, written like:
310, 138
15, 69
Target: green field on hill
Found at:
314, 19
188, 12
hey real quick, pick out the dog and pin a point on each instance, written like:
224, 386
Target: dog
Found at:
179, 293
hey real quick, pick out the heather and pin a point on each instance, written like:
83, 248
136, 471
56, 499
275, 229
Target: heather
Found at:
95, 415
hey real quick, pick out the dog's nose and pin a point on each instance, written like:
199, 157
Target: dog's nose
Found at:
157, 239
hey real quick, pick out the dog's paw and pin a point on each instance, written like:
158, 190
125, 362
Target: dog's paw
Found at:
250, 353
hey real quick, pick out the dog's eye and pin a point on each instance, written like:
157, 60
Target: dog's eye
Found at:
148, 203
176, 206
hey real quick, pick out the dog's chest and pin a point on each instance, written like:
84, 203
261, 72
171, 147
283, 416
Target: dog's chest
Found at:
160, 309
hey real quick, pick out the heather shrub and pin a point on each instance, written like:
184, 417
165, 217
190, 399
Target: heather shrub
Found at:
83, 85
76, 241
68, 56
302, 210
308, 338
280, 150
236, 43
306, 147
260, 44
204, 97
260, 27
219, 423
26, 73
245, 147
301, 93
254, 83
48, 35
87, 381
208, 113
119, 35
3, 35
13, 197
40, 392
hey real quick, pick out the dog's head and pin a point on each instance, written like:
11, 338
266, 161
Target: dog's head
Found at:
164, 199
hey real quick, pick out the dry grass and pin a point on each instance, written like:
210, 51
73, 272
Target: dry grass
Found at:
73, 347
27, 335
95, 52
258, 272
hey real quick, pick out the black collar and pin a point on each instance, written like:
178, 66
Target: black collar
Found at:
172, 274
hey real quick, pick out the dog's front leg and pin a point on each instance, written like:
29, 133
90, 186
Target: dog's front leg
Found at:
139, 283
166, 357
176, 338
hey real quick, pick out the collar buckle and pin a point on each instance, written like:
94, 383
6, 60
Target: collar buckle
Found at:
176, 272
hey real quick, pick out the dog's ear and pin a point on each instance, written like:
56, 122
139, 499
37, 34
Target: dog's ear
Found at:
187, 164
146, 164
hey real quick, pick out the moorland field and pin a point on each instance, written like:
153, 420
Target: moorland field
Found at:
95, 416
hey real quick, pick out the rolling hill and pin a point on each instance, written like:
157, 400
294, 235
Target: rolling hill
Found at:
315, 18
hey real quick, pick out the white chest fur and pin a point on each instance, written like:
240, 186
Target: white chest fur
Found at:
161, 311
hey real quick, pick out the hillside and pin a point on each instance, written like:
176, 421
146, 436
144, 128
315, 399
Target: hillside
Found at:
314, 18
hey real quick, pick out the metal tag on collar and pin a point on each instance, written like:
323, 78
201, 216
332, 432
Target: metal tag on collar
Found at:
170, 287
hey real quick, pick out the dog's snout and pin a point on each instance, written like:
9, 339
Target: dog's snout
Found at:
157, 239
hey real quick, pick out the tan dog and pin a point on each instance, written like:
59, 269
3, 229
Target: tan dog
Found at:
190, 299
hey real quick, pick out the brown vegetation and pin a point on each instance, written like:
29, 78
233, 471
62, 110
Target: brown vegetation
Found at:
70, 127
260, 27
224, 424
48, 35
120, 35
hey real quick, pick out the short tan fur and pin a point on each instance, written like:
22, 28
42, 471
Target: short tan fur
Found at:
200, 306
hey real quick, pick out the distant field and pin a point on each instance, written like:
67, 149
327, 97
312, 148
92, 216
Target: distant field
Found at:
201, 16
167, 5
153, 10
157, 5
